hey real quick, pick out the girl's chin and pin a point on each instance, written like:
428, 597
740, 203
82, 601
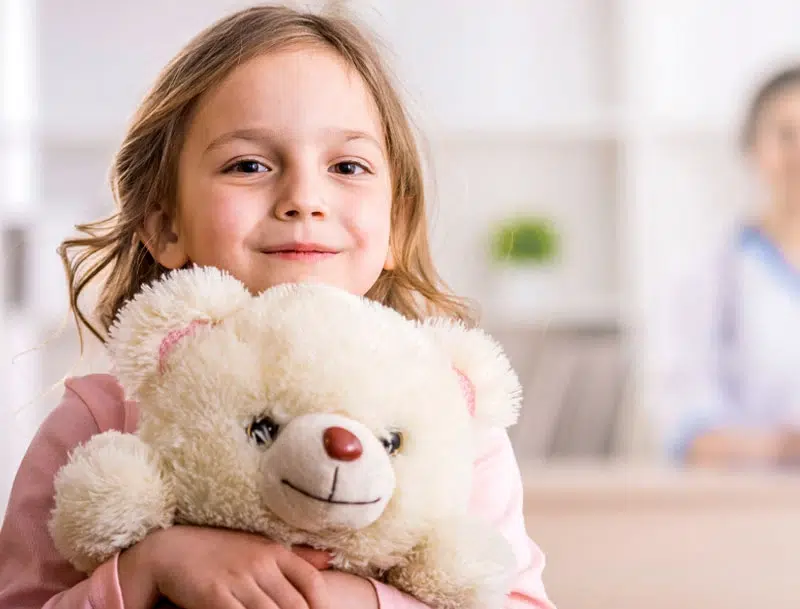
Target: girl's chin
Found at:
292, 278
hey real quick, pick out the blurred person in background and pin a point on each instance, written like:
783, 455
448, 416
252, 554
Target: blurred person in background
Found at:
734, 352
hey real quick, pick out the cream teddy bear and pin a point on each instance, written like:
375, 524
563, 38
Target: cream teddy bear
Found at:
304, 414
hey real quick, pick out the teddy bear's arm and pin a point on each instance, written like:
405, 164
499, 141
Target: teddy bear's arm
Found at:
464, 565
109, 496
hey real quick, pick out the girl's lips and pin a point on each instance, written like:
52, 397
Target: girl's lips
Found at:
302, 255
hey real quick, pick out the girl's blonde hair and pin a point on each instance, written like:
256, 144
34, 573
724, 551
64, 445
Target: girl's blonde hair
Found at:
144, 172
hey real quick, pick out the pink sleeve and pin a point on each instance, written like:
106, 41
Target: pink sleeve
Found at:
32, 574
497, 497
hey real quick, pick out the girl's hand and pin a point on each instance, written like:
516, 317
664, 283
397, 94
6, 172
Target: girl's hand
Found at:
206, 568
349, 591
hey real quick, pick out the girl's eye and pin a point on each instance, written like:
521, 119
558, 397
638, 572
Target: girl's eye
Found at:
263, 431
349, 168
247, 166
393, 443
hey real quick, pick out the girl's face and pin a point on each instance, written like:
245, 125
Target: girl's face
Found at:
776, 146
284, 176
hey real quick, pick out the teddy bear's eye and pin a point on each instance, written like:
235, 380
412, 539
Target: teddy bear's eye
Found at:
263, 430
393, 443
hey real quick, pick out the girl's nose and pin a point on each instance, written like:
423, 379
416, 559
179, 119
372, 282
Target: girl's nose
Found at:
341, 444
299, 210
300, 198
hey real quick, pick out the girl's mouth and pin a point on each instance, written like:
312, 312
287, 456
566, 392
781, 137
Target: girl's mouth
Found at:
303, 252
301, 255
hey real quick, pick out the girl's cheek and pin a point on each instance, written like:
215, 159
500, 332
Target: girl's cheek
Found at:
231, 217
369, 221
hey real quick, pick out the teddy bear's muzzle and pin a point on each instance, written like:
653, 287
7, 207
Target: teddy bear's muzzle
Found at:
327, 470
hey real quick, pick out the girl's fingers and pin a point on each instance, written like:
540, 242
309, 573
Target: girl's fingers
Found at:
306, 579
230, 601
254, 597
282, 592
318, 558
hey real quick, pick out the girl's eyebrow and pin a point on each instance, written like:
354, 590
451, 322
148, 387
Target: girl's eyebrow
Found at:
258, 136
262, 135
350, 135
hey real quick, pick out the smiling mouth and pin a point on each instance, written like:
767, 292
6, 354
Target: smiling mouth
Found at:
300, 249
301, 255
329, 498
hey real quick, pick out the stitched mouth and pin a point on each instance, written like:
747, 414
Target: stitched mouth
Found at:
329, 498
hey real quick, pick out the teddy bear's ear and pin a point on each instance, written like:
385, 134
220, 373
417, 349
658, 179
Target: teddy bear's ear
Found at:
166, 312
491, 388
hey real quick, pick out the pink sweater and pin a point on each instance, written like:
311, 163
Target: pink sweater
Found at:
33, 576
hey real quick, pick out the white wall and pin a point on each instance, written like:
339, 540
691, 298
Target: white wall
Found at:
17, 86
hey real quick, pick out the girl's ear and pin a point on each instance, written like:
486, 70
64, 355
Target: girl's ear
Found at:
388, 264
161, 236
492, 391
164, 315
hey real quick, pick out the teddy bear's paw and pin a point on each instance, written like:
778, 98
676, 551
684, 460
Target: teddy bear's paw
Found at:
465, 565
488, 564
108, 496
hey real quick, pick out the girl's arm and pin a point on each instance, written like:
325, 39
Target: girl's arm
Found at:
32, 574
496, 497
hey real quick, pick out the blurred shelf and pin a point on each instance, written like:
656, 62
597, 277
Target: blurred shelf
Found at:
62, 212
620, 482
702, 127
588, 312
610, 128
37, 137
546, 129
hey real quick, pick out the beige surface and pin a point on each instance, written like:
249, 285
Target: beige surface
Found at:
634, 537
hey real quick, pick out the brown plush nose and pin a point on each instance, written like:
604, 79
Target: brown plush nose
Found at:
341, 445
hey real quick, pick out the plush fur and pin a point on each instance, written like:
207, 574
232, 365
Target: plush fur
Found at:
238, 395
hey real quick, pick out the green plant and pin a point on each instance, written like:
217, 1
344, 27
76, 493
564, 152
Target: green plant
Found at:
524, 240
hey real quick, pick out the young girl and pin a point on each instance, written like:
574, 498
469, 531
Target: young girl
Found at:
734, 354
275, 147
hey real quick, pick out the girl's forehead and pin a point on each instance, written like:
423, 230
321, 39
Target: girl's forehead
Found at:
299, 92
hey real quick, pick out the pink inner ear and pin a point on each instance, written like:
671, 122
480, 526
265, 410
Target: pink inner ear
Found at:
173, 338
468, 388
